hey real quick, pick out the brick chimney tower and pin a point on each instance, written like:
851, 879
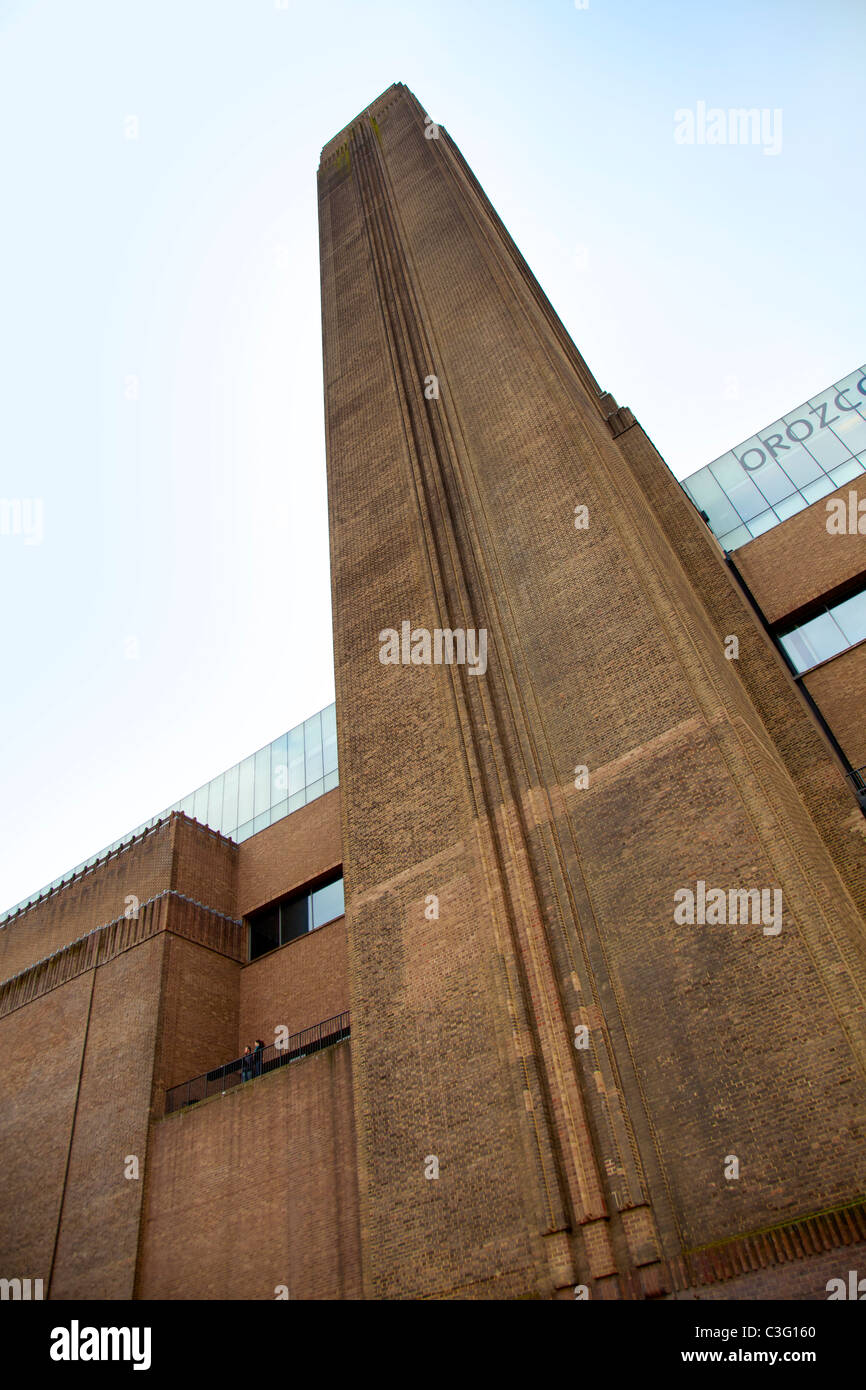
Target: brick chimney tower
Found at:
605, 882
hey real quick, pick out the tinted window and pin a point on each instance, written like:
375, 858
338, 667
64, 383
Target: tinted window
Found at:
295, 918
264, 931
328, 903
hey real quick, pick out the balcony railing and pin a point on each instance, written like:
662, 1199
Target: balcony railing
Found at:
254, 1064
857, 778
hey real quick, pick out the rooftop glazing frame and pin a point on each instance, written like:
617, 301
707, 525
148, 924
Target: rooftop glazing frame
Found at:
286, 774
797, 460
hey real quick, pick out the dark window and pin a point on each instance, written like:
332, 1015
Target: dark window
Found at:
264, 931
294, 916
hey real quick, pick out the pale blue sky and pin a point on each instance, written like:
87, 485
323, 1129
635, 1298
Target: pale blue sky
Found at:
193, 519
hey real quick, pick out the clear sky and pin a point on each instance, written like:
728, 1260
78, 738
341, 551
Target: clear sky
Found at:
160, 341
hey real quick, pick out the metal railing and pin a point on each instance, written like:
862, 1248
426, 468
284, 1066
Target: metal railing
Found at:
257, 1063
857, 778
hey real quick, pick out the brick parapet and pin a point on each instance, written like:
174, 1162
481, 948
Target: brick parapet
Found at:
168, 911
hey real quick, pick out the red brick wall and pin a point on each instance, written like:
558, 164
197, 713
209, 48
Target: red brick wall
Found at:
205, 865
199, 1021
255, 1189
40, 1047
96, 897
556, 904
177, 854
839, 690
773, 564
796, 1279
298, 985
98, 1240
163, 1010
290, 853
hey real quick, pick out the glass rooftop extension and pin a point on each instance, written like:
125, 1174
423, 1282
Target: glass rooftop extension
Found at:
280, 778
795, 461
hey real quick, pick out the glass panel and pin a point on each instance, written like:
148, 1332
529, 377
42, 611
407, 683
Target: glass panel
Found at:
329, 738
800, 467
187, 805
846, 471
815, 641
774, 483
827, 448
264, 931
246, 775
244, 832
262, 782
215, 802
280, 769
315, 789
332, 779
852, 431
763, 523
296, 761
708, 496
200, 805
328, 903
262, 822
729, 471
790, 506
851, 617
230, 801
747, 499
295, 918
735, 538
281, 809
313, 748
821, 486
849, 385
296, 801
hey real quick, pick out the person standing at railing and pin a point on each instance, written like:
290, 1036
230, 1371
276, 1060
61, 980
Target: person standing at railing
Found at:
258, 1055
247, 1063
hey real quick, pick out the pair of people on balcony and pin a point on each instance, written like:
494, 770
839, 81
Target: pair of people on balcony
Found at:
251, 1063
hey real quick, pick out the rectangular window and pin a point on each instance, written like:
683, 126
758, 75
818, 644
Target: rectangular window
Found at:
264, 931
328, 903
831, 632
294, 916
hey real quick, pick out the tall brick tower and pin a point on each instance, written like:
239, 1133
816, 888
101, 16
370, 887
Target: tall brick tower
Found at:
557, 1082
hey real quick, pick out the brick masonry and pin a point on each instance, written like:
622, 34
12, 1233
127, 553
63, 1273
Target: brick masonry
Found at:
555, 904
301, 984
290, 853
127, 1007
773, 564
257, 1189
92, 898
41, 1047
839, 690
460, 1145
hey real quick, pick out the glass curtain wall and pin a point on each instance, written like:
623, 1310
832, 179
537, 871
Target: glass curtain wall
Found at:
787, 466
290, 772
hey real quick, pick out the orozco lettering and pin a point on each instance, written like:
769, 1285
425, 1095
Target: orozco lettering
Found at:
798, 430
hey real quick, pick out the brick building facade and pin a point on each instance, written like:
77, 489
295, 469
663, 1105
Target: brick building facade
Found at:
552, 1080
